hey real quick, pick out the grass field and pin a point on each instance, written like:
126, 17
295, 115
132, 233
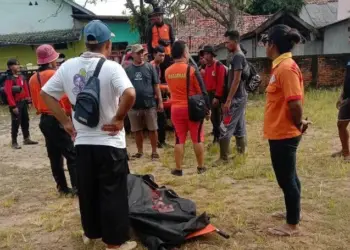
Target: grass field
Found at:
239, 197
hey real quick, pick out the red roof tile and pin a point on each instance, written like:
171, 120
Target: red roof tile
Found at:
320, 1
198, 30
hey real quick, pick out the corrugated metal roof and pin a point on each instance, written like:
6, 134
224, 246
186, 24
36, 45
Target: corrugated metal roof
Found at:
36, 38
319, 15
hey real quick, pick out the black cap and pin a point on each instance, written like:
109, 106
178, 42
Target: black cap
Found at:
157, 11
11, 62
209, 49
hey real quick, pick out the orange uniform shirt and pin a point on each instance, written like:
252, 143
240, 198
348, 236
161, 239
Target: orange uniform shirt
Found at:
175, 76
35, 89
286, 84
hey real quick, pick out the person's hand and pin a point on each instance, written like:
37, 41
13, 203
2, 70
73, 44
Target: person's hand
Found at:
304, 125
29, 106
207, 116
227, 106
114, 127
69, 128
215, 102
160, 107
339, 103
15, 111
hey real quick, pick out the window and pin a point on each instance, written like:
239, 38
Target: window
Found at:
60, 46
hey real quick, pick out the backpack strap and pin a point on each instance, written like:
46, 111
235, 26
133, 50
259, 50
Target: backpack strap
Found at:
188, 80
39, 79
99, 66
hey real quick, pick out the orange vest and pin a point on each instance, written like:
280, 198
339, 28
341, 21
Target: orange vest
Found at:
161, 33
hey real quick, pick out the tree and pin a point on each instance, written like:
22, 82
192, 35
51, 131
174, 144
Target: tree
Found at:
266, 7
225, 12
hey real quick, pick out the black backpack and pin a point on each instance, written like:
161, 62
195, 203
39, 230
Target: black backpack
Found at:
87, 105
253, 79
15, 89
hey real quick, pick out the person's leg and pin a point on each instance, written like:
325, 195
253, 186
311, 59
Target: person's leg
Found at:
135, 117
179, 118
25, 125
344, 137
54, 153
113, 193
68, 151
197, 136
88, 188
152, 126
15, 122
161, 128
241, 133
228, 127
283, 157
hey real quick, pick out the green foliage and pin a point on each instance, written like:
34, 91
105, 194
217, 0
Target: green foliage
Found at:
265, 7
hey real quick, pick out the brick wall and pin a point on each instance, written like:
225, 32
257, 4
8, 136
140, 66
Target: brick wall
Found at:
318, 71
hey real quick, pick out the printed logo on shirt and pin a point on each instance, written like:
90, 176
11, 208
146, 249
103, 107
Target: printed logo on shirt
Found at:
80, 80
138, 76
272, 79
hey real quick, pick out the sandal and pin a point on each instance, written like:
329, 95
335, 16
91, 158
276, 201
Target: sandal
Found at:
283, 232
201, 170
155, 156
137, 155
177, 172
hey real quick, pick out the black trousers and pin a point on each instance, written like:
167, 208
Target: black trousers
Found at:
161, 126
168, 61
215, 115
103, 193
22, 119
59, 144
283, 156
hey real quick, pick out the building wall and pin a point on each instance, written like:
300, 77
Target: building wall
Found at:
343, 9
318, 71
26, 54
336, 38
18, 17
123, 33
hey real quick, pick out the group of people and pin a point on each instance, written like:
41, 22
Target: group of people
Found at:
97, 157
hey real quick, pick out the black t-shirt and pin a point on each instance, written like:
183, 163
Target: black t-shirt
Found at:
238, 63
346, 93
143, 78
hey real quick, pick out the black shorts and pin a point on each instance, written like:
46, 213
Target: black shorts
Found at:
344, 111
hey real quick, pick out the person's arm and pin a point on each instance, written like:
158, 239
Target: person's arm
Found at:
26, 90
126, 92
221, 73
171, 34
293, 94
149, 35
9, 94
33, 86
53, 91
158, 93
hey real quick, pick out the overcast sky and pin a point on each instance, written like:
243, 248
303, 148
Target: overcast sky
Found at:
106, 7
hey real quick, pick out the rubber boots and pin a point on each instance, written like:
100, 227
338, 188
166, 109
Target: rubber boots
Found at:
224, 152
241, 144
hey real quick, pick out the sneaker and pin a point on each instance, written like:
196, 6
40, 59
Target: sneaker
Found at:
86, 240
201, 170
129, 245
28, 141
15, 145
176, 172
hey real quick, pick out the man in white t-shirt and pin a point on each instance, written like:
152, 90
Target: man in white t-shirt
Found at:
102, 162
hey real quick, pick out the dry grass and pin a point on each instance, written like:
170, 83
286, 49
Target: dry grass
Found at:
239, 197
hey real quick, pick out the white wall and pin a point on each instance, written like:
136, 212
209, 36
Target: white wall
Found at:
343, 9
17, 16
336, 38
